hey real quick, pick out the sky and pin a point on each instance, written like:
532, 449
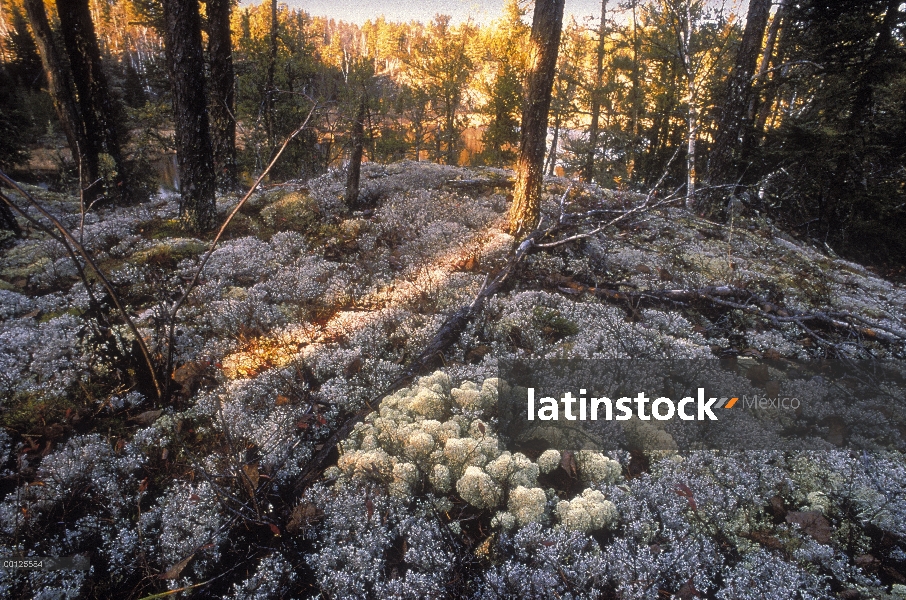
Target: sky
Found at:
481, 11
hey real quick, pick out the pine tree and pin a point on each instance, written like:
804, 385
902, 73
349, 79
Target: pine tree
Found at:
62, 92
734, 127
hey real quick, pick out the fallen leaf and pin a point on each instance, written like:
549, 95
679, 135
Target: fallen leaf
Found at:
282, 400
568, 463
812, 523
147, 418
250, 481
174, 571
303, 516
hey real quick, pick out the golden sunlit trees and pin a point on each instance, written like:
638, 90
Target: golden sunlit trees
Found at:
440, 67
503, 50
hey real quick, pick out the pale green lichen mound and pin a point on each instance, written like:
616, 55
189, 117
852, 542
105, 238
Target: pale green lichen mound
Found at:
527, 504
594, 467
549, 460
437, 437
589, 512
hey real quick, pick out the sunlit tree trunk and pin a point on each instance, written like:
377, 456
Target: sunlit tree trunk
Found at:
101, 115
222, 115
545, 41
596, 97
691, 143
552, 155
62, 91
635, 92
778, 42
190, 114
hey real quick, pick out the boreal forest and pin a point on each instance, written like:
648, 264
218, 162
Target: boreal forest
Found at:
262, 272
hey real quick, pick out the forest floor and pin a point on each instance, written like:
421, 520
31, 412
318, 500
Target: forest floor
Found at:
306, 311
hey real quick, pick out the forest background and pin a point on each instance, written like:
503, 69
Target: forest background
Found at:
795, 108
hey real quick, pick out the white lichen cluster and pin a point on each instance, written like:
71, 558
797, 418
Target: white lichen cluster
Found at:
432, 437
587, 512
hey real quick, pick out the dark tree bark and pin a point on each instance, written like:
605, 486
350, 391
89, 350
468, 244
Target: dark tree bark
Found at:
734, 125
355, 156
62, 91
596, 98
545, 43
269, 87
185, 57
878, 68
223, 97
102, 116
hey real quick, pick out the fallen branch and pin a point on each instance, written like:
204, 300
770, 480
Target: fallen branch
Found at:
480, 184
744, 300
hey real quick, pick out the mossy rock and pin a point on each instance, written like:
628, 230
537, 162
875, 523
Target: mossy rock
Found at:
168, 254
294, 211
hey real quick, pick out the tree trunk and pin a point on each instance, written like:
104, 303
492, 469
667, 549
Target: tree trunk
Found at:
770, 44
692, 116
691, 143
552, 155
734, 126
780, 26
877, 68
222, 115
596, 97
190, 117
355, 156
101, 115
269, 86
545, 43
62, 92
636, 96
